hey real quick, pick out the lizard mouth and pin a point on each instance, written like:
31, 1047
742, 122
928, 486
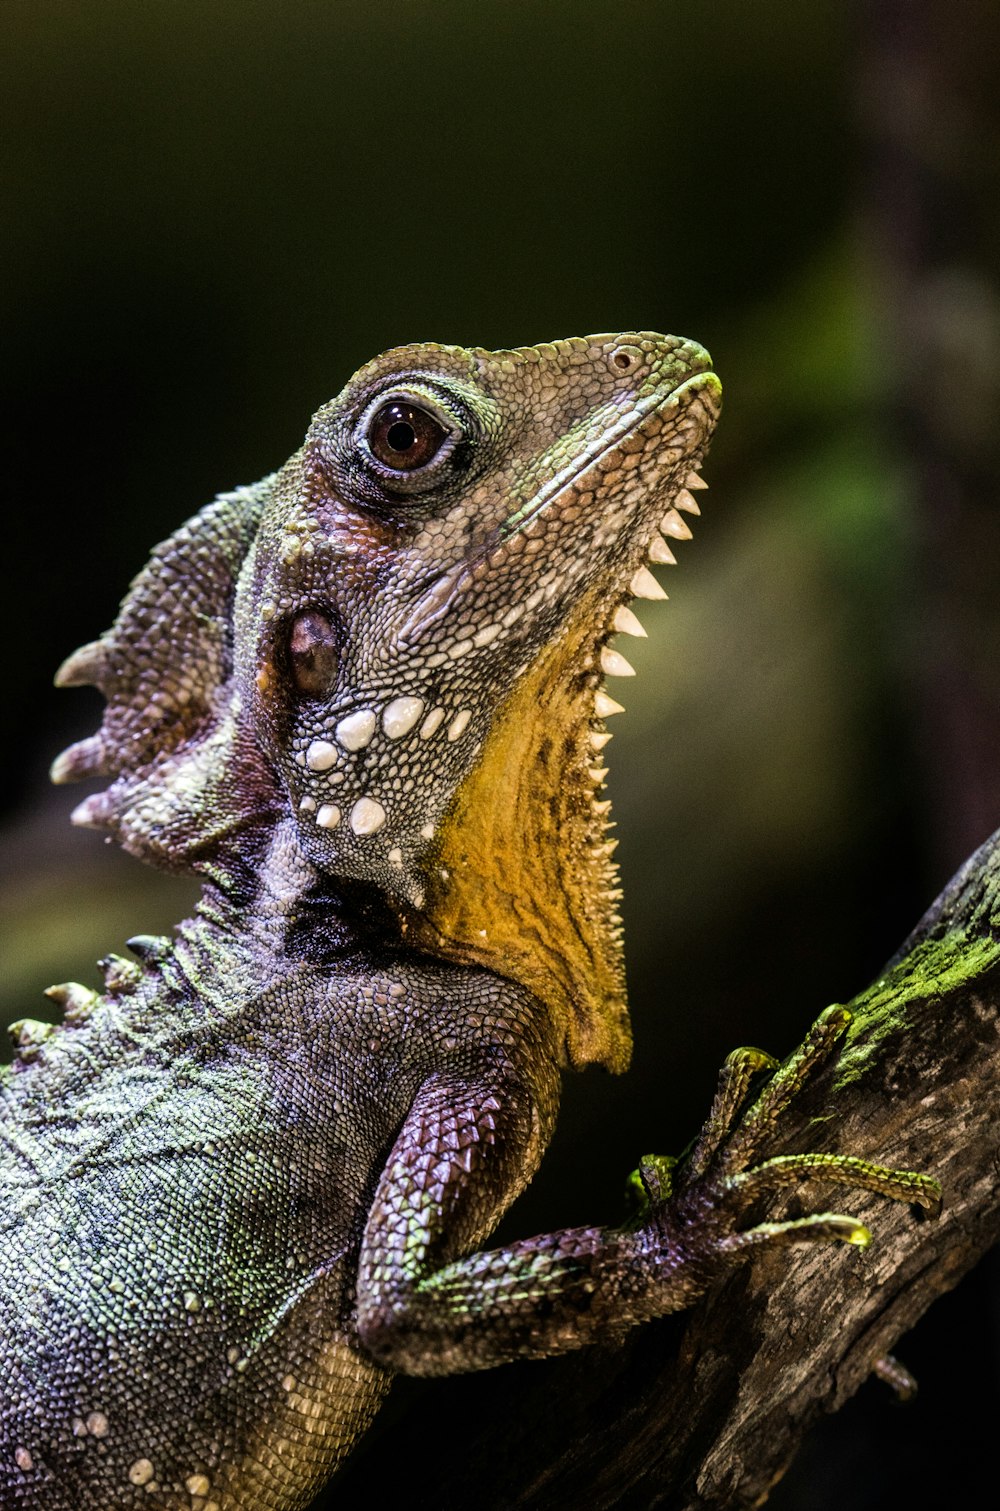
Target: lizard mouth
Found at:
610, 446
672, 527
605, 662
587, 470
661, 524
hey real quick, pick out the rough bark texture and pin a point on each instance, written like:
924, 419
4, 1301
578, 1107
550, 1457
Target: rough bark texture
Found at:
707, 1409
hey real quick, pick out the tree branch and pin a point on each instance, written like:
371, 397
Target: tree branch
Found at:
707, 1409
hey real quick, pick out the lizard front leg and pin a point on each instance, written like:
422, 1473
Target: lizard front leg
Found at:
427, 1307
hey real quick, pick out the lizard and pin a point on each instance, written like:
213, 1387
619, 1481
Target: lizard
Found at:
364, 702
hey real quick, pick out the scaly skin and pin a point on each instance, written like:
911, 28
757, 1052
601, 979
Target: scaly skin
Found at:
363, 701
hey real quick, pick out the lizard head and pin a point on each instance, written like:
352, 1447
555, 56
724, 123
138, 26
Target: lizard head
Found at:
402, 638
433, 589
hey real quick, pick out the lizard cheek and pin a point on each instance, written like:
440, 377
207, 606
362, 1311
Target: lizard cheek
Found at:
312, 653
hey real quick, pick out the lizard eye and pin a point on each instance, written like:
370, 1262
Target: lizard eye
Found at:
404, 436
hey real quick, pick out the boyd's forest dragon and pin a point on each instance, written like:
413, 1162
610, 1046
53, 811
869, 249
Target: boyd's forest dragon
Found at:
364, 702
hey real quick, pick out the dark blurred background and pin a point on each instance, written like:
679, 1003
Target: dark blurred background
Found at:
216, 211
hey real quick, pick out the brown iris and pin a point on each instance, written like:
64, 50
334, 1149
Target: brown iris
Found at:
404, 436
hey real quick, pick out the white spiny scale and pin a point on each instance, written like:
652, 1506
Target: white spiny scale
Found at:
613, 663
661, 553
672, 524
626, 623
685, 501
695, 480
604, 807
645, 585
93, 813
85, 758
75, 999
604, 706
86, 667
597, 774
599, 738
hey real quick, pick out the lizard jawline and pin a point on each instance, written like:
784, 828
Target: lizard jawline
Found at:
521, 879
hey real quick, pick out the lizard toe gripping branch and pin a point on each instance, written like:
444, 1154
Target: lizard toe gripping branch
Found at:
364, 702
694, 1206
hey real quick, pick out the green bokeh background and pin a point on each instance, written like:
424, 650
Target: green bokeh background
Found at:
216, 211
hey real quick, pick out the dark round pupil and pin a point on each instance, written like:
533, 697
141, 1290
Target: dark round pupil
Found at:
401, 436
404, 436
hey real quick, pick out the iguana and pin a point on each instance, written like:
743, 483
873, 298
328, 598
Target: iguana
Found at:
363, 701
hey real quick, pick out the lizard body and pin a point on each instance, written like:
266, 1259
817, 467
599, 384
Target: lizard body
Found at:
363, 701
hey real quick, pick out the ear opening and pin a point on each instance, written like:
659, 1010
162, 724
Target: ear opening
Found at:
170, 736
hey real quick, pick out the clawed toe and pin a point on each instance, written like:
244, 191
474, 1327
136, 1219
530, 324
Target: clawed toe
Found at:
822, 1227
719, 1176
841, 1170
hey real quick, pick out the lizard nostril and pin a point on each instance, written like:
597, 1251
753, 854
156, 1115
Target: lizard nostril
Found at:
625, 358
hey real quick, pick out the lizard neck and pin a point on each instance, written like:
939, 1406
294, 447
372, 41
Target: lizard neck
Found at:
272, 911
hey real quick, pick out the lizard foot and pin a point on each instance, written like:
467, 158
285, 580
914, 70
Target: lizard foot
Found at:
692, 1207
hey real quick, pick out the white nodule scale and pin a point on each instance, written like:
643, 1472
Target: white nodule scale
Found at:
354, 732
367, 816
399, 716
321, 755
459, 724
328, 816
432, 723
